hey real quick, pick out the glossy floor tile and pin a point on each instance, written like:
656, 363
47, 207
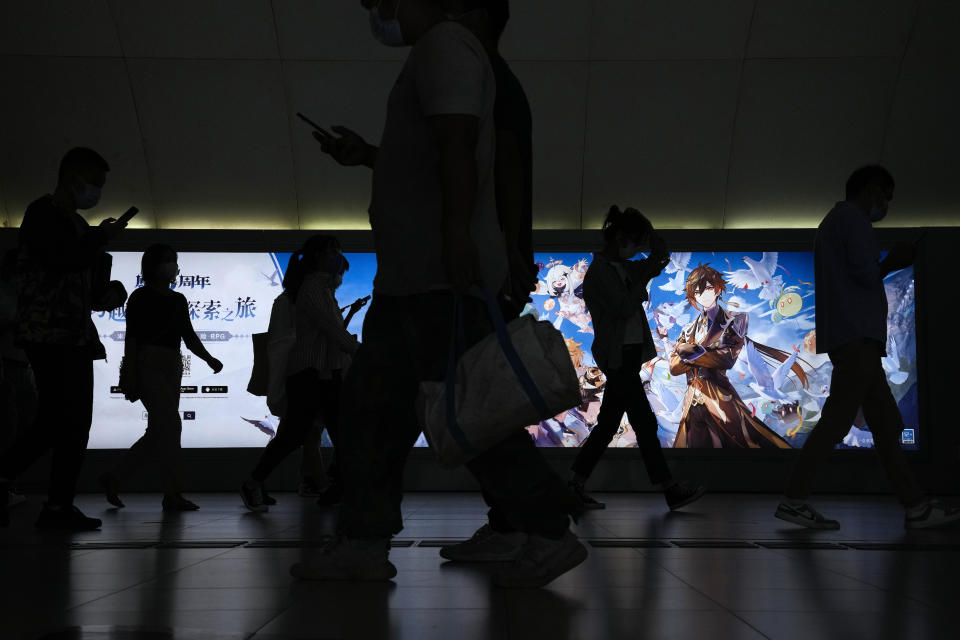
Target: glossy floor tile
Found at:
722, 569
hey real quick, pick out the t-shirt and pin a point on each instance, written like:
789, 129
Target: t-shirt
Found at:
158, 318
512, 113
851, 300
446, 73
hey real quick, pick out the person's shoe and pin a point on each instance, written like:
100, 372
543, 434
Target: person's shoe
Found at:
65, 519
268, 499
541, 561
251, 492
15, 499
111, 488
179, 503
309, 488
805, 516
586, 500
682, 494
486, 545
331, 497
930, 513
4, 503
349, 560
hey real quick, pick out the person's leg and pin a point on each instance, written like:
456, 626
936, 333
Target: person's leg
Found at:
302, 408
849, 383
34, 441
616, 399
883, 417
72, 431
311, 462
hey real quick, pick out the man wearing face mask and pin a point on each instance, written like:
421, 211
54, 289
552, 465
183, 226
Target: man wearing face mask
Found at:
852, 330
434, 219
63, 275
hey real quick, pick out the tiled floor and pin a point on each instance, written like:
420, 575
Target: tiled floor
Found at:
221, 574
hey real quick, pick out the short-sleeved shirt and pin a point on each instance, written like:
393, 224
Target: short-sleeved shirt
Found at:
158, 319
446, 73
851, 300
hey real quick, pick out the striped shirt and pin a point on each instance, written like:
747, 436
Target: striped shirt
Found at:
322, 341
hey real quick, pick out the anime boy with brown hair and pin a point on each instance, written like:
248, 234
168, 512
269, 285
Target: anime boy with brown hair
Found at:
714, 416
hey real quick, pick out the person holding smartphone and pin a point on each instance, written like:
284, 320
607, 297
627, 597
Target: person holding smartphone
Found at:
158, 318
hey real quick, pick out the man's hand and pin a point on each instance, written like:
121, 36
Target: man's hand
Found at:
460, 259
349, 149
112, 227
358, 304
215, 364
523, 278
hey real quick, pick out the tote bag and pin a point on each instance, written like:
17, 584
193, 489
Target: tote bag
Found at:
516, 376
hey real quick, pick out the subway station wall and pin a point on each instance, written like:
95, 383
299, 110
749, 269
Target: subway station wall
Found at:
704, 114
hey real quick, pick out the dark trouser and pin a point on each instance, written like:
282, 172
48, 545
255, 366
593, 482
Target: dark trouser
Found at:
19, 404
307, 397
406, 339
858, 380
159, 372
64, 378
624, 393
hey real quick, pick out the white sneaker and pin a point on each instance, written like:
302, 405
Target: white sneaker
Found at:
486, 545
930, 513
541, 561
349, 559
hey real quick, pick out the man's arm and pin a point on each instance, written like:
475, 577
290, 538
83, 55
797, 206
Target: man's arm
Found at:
456, 137
509, 184
857, 239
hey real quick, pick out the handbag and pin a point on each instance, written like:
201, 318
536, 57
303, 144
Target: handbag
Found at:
517, 376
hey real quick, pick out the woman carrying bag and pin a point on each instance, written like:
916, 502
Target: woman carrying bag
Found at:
316, 361
157, 319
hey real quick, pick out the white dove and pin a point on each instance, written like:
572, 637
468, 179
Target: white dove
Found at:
678, 262
677, 284
758, 276
669, 314
766, 384
891, 364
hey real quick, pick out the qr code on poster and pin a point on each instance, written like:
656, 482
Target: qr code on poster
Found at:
186, 365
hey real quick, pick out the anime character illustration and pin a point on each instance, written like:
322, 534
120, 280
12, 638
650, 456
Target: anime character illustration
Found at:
713, 413
564, 284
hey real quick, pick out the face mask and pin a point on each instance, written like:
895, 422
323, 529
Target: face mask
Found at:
86, 197
878, 211
386, 32
629, 251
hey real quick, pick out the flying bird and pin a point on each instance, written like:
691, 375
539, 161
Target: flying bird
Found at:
758, 276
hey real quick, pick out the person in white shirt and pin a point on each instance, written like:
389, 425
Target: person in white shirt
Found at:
852, 330
615, 288
438, 242
316, 361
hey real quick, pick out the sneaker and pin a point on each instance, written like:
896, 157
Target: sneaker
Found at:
14, 499
179, 503
486, 545
309, 488
331, 497
682, 494
805, 515
65, 519
349, 560
541, 561
111, 488
251, 492
930, 513
268, 499
586, 500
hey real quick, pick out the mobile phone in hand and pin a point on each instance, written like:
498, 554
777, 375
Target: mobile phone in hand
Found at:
128, 215
320, 130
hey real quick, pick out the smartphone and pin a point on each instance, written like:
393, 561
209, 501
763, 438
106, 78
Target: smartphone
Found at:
128, 215
313, 124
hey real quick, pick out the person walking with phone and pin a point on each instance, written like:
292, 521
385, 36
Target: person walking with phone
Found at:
62, 275
158, 318
316, 362
852, 330
434, 220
